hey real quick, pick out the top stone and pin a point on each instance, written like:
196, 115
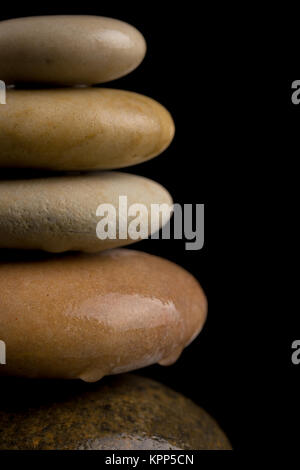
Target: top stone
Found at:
68, 50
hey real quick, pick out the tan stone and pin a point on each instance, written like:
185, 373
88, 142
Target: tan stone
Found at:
68, 49
81, 129
58, 214
90, 315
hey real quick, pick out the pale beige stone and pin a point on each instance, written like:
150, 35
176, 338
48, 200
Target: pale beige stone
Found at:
68, 50
57, 214
90, 315
81, 129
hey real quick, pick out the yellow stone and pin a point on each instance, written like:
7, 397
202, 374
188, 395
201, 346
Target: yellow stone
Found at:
81, 129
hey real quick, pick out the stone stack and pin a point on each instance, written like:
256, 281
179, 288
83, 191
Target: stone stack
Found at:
78, 311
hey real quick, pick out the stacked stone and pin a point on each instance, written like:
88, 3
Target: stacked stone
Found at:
89, 313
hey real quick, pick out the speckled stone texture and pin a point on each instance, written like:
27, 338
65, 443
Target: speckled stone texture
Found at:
122, 412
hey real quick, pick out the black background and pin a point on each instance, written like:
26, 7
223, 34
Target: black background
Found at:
228, 369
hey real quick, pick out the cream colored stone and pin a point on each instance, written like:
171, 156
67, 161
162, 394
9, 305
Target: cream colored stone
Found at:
81, 129
57, 214
68, 49
90, 315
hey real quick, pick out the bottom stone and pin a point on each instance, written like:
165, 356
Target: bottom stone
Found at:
120, 412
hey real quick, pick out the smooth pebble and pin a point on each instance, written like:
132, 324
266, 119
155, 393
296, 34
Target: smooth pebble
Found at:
59, 213
90, 315
81, 129
68, 50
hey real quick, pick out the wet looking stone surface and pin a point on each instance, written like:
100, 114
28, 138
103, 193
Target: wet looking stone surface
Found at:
120, 412
94, 315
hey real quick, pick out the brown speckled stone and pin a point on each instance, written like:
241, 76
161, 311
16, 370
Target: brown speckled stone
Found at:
123, 412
